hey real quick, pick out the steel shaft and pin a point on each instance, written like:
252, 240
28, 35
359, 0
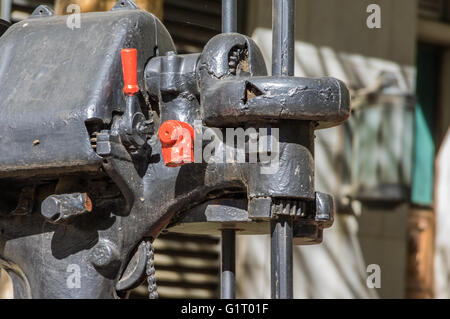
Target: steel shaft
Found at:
228, 264
281, 258
283, 22
229, 16
229, 24
281, 228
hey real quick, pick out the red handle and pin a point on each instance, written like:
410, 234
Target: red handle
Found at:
129, 67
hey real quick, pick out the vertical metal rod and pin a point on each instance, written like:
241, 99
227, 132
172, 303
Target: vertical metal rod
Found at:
228, 264
281, 258
281, 228
229, 16
6, 10
228, 252
283, 23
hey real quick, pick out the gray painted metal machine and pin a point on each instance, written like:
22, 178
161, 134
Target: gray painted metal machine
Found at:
90, 164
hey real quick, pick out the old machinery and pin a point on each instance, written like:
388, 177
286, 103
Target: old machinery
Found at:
105, 141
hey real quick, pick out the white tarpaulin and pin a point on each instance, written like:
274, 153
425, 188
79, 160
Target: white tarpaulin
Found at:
442, 246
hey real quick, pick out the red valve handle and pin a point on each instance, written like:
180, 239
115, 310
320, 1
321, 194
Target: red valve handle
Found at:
129, 67
177, 140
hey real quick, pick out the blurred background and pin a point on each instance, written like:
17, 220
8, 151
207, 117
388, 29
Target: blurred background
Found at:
388, 167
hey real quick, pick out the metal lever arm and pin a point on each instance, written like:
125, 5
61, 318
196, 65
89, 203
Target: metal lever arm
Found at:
323, 100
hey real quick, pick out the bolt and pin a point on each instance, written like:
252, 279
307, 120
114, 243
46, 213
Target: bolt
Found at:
59, 208
51, 208
104, 254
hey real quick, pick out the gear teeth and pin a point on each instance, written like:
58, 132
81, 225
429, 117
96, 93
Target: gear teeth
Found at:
288, 208
235, 57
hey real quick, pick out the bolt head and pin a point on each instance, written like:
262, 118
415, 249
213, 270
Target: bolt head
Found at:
51, 209
104, 254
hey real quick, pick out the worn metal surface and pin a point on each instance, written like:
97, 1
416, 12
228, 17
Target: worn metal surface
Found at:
77, 87
68, 129
323, 100
57, 96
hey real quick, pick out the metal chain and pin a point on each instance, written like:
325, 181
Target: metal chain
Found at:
150, 271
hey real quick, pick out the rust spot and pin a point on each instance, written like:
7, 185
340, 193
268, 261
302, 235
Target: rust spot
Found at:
88, 203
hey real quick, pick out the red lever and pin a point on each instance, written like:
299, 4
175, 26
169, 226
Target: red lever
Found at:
129, 67
177, 140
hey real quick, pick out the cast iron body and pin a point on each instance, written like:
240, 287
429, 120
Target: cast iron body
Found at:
67, 130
